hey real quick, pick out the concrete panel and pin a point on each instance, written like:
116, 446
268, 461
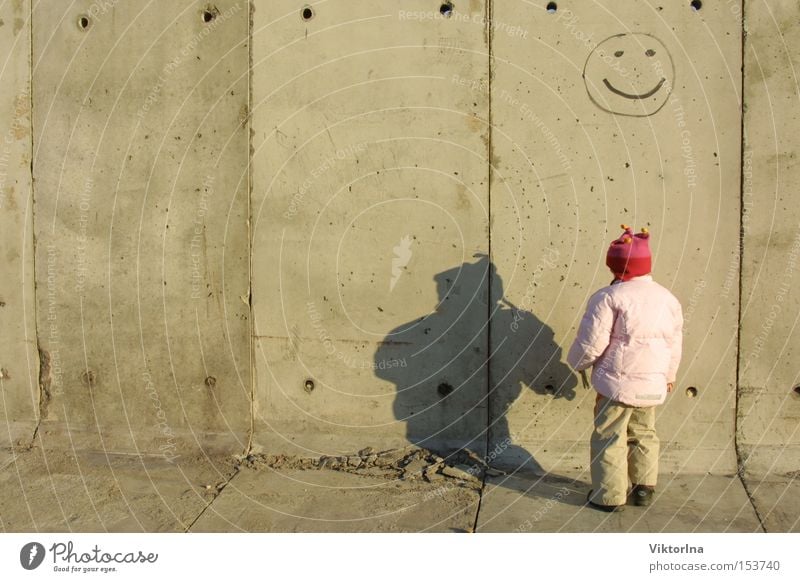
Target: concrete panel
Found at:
612, 112
141, 204
687, 503
769, 358
18, 356
60, 491
775, 500
369, 208
330, 501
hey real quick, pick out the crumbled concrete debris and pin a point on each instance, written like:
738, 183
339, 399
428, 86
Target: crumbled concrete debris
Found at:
323, 463
397, 457
463, 472
474, 459
408, 464
216, 488
432, 473
414, 469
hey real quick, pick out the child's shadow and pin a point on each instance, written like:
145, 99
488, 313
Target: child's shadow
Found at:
451, 402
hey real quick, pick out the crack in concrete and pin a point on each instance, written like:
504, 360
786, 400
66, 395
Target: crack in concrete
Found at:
219, 489
43, 402
489, 147
250, 153
44, 390
740, 460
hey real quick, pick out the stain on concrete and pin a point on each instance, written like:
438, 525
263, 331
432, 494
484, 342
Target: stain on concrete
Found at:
20, 126
463, 198
9, 199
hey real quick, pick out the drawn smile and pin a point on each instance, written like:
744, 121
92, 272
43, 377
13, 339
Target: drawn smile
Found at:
629, 95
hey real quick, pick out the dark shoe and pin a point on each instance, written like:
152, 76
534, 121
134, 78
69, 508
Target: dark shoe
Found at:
600, 507
642, 495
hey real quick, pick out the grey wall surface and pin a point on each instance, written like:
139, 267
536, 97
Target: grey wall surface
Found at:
18, 357
769, 397
141, 223
571, 161
370, 191
313, 229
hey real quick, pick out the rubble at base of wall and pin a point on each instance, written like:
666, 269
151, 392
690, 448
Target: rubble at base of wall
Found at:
408, 464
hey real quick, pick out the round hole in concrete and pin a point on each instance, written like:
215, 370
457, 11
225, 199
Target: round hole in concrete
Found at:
696, 4
84, 22
796, 391
446, 9
550, 389
691, 392
307, 13
551, 7
209, 14
211, 381
309, 386
444, 389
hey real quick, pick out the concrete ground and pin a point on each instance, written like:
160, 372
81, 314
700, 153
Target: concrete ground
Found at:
392, 491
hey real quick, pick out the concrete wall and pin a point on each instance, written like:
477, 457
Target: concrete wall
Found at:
370, 192
141, 209
769, 406
18, 358
571, 161
388, 242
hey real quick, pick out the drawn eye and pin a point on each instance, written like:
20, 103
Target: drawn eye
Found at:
649, 52
619, 53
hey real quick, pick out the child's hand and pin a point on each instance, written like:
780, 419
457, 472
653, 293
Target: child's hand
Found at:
670, 386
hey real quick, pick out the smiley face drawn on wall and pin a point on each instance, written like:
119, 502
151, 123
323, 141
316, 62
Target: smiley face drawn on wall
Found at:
629, 74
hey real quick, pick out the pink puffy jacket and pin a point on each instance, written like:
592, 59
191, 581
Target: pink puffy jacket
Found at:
632, 335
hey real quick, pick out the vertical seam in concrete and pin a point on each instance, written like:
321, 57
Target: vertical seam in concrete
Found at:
41, 405
489, 252
489, 229
740, 461
251, 344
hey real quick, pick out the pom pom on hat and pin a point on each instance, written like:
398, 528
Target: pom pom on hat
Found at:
629, 255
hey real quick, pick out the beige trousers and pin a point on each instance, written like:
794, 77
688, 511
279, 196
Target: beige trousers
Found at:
624, 445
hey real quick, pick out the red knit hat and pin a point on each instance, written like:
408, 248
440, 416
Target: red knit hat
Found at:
629, 255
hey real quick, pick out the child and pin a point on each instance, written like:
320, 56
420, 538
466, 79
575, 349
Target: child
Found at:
631, 335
